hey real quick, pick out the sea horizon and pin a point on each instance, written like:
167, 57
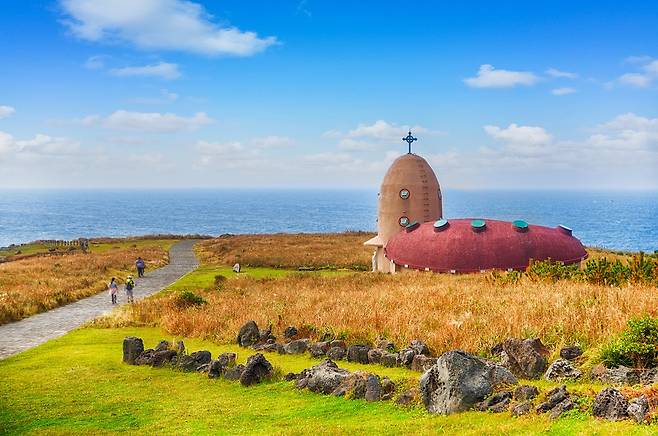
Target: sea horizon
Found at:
622, 220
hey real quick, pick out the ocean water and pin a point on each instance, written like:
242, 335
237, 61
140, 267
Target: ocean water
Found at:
615, 220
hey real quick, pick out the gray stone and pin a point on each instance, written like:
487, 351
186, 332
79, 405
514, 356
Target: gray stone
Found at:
420, 347
353, 385
610, 404
336, 353
297, 346
422, 363
375, 356
216, 369
290, 332
522, 408
132, 348
525, 392
248, 334
373, 388
571, 352
319, 349
561, 370
358, 353
458, 381
337, 343
389, 359
560, 408
266, 335
649, 376
273, 348
553, 398
323, 378
193, 362
156, 358
638, 408
162, 346
388, 388
257, 369
616, 376
234, 373
496, 403
525, 358
385, 344
406, 357
227, 359
407, 397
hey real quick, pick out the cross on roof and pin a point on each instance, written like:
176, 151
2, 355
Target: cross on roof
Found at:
409, 139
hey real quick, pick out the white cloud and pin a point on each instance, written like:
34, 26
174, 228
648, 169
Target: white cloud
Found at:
273, 141
554, 72
96, 62
178, 25
40, 145
519, 134
489, 77
6, 111
646, 77
163, 70
563, 91
148, 121
382, 130
638, 59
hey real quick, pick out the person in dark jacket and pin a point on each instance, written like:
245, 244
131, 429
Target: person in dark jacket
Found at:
141, 266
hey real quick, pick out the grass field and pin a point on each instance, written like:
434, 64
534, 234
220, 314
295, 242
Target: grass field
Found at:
78, 385
36, 284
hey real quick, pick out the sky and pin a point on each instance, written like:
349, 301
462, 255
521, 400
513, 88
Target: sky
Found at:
310, 93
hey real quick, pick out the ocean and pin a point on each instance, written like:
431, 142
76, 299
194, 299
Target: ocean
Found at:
615, 220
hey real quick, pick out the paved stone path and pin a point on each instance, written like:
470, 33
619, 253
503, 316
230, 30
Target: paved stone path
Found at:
30, 332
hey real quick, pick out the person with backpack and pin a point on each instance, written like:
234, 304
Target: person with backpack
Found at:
113, 290
130, 285
141, 266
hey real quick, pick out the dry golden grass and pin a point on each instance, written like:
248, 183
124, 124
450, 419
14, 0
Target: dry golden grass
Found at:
446, 311
333, 250
36, 284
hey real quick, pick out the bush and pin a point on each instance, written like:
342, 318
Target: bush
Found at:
636, 347
548, 270
187, 299
219, 281
603, 272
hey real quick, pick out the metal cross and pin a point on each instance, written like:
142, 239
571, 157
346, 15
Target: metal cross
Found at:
409, 139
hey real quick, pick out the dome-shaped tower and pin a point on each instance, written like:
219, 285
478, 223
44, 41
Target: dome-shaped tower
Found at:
409, 193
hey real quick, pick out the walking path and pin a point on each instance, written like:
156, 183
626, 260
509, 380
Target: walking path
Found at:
30, 332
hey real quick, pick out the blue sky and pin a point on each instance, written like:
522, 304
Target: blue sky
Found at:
174, 93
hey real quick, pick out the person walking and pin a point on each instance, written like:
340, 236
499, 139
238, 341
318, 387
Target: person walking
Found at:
141, 266
113, 289
130, 285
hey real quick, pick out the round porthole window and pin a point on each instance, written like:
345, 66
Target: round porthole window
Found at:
404, 194
404, 221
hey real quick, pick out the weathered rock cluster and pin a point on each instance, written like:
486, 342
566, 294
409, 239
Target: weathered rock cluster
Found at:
255, 370
327, 378
454, 382
416, 356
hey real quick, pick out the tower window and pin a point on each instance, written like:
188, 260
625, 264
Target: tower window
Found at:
404, 194
404, 221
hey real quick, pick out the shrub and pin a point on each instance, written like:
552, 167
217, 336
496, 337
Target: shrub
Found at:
187, 299
603, 272
637, 346
548, 270
642, 269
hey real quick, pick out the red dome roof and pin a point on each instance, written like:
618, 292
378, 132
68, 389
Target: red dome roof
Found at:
465, 245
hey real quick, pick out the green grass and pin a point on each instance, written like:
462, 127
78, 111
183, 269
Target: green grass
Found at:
204, 276
94, 247
77, 384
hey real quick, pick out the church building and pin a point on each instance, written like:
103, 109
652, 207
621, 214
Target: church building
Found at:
412, 232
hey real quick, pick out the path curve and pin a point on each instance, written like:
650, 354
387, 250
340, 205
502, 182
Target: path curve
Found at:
29, 332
